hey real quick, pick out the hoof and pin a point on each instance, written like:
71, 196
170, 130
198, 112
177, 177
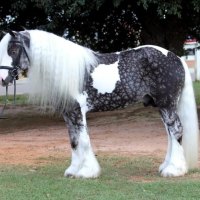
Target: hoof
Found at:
84, 172
173, 171
163, 166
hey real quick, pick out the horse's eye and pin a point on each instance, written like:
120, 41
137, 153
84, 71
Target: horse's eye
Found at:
13, 52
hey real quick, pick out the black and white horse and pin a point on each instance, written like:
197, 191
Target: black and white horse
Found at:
67, 78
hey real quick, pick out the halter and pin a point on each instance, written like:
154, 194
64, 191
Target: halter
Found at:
13, 73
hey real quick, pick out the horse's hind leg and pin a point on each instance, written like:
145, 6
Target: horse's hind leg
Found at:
168, 155
83, 161
174, 164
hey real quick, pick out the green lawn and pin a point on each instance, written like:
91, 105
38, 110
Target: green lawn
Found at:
197, 91
20, 100
122, 178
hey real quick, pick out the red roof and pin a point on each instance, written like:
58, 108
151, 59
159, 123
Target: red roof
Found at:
190, 41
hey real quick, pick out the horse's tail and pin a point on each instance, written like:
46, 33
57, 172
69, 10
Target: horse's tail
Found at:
188, 115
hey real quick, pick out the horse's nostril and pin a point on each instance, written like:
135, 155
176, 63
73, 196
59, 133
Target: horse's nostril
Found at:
3, 82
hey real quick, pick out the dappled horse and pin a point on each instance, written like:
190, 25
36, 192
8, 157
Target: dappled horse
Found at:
70, 79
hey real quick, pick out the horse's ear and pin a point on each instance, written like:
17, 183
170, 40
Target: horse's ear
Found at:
3, 32
24, 29
12, 33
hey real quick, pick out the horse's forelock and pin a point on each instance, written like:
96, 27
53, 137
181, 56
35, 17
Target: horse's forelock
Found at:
25, 36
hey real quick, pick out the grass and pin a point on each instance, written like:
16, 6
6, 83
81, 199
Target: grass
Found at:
122, 178
20, 100
197, 91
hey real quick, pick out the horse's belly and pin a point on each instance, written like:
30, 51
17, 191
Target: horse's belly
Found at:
109, 101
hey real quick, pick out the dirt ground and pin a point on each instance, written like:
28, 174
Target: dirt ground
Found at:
28, 137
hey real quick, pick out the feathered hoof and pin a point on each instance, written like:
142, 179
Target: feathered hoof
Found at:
68, 175
88, 173
173, 171
70, 172
162, 166
84, 172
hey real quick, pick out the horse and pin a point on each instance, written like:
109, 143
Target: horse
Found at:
73, 80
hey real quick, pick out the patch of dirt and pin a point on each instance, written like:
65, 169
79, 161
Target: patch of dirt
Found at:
27, 137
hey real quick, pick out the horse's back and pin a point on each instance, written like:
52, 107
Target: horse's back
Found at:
144, 70
154, 71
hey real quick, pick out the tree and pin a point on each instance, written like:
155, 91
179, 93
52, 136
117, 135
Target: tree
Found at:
168, 23
108, 25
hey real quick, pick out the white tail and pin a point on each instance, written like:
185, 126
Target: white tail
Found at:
188, 115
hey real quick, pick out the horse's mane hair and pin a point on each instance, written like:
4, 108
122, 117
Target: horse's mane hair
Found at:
57, 71
3, 49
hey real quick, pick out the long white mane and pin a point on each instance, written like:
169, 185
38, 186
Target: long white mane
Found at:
57, 70
5, 60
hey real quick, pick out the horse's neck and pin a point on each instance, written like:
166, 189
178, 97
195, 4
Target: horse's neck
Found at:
107, 58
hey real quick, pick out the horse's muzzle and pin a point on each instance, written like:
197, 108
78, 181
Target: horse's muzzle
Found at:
7, 81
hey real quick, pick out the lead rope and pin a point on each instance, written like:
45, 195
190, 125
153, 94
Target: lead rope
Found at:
6, 100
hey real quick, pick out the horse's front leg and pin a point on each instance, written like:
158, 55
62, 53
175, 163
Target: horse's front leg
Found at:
83, 161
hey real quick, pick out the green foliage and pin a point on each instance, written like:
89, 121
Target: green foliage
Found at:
164, 23
196, 5
112, 30
170, 7
163, 7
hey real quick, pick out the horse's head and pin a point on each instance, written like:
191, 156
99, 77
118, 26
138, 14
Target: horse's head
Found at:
15, 57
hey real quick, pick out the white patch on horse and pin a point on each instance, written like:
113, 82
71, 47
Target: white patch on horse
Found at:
162, 50
105, 77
